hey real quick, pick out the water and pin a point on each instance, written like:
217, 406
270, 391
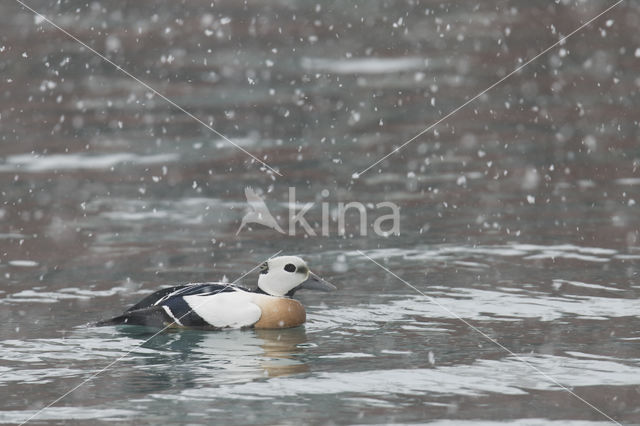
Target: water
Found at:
518, 215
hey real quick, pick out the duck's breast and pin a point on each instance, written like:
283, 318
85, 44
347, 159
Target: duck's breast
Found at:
279, 312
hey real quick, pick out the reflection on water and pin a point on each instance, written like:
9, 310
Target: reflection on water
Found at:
242, 355
153, 363
192, 359
519, 213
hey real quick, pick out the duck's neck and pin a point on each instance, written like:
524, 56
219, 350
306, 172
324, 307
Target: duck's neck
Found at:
258, 290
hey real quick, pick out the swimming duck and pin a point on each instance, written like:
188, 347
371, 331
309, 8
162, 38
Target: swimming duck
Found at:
219, 305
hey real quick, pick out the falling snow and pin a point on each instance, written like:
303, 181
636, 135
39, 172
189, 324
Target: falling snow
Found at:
126, 165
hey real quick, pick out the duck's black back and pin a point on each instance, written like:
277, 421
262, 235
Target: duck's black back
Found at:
150, 311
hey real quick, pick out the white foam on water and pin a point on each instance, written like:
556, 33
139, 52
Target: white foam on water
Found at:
593, 356
628, 181
68, 413
563, 255
135, 216
587, 285
11, 236
627, 256
565, 248
185, 211
43, 163
348, 355
518, 422
370, 402
364, 65
23, 263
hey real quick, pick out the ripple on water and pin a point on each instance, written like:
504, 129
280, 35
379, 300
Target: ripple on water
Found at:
261, 367
38, 295
471, 304
526, 251
518, 422
479, 378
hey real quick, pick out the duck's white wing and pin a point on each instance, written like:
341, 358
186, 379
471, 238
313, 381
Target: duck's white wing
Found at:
231, 309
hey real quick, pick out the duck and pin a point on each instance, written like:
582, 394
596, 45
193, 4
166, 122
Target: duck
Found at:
217, 305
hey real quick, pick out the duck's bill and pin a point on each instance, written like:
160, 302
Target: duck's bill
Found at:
314, 282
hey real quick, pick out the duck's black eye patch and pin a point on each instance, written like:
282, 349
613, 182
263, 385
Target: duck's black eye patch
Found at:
290, 267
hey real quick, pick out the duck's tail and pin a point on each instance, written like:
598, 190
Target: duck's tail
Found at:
152, 317
111, 321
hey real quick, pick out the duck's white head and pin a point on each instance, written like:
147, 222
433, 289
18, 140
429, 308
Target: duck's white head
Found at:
284, 275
